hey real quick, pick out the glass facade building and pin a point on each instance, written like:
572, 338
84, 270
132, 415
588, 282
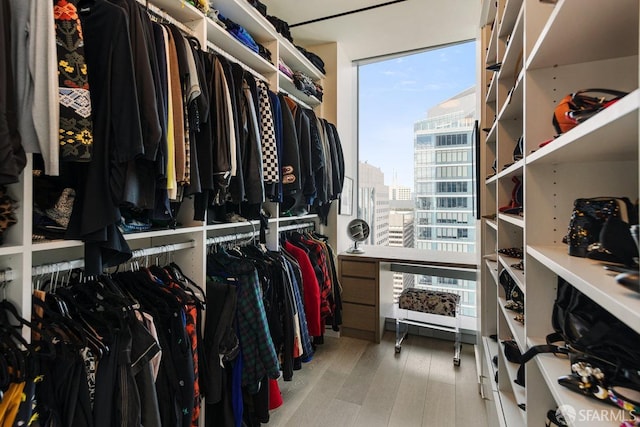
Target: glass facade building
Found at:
444, 189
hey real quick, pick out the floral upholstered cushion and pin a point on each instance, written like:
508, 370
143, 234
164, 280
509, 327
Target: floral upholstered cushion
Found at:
433, 302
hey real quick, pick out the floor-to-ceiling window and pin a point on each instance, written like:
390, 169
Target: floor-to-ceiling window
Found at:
416, 157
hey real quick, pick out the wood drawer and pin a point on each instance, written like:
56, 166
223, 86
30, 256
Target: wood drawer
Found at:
358, 316
359, 269
359, 290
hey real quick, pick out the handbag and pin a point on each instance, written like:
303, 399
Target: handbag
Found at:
512, 292
588, 217
516, 204
579, 106
604, 352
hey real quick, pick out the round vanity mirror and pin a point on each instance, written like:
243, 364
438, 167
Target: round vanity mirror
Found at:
358, 230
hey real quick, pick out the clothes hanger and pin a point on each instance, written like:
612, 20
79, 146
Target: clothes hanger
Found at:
187, 281
87, 321
59, 326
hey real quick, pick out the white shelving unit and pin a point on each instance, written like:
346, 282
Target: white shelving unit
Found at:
548, 56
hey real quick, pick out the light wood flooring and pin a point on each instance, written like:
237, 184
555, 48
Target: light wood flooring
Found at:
352, 382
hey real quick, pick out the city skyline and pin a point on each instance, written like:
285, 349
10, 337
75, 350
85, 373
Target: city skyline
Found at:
399, 93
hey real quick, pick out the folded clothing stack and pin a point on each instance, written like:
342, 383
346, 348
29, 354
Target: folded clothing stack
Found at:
306, 85
315, 59
240, 33
285, 68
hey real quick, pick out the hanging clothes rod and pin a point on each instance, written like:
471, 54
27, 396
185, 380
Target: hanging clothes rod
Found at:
6, 276
138, 253
299, 226
232, 237
155, 11
295, 98
232, 58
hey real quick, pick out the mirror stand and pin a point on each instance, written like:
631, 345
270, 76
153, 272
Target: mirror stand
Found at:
355, 249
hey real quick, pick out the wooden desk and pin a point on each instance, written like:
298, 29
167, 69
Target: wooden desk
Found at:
367, 283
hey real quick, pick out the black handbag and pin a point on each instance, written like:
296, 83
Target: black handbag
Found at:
589, 329
588, 217
596, 342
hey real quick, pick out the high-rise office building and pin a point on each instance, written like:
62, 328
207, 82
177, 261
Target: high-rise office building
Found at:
401, 235
400, 192
444, 188
373, 203
444, 176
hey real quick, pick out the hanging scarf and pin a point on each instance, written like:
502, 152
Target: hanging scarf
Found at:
76, 126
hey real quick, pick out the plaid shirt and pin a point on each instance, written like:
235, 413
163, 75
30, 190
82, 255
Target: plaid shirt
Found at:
319, 260
258, 352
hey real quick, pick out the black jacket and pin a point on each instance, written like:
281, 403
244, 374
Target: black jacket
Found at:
12, 156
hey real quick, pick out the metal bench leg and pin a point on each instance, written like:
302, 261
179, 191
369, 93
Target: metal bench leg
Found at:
458, 347
400, 335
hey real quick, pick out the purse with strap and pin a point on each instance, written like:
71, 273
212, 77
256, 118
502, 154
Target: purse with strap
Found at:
577, 107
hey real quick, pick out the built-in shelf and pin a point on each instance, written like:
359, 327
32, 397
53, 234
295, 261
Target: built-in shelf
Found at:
590, 278
516, 220
245, 15
512, 108
491, 350
290, 87
519, 392
545, 53
618, 38
221, 38
493, 269
513, 415
589, 412
513, 170
55, 244
491, 179
231, 225
287, 219
162, 233
512, 60
509, 16
516, 328
493, 89
297, 61
11, 249
585, 142
517, 275
179, 10
492, 135
492, 52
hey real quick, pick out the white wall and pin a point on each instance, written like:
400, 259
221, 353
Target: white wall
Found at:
339, 106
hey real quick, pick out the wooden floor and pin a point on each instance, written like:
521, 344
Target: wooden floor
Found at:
352, 382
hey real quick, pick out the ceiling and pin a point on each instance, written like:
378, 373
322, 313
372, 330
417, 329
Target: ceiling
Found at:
393, 26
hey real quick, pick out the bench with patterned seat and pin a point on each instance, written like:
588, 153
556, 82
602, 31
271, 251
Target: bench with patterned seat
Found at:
439, 303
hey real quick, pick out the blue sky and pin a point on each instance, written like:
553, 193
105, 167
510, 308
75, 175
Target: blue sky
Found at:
396, 93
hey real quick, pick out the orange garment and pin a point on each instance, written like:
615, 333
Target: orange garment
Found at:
11, 404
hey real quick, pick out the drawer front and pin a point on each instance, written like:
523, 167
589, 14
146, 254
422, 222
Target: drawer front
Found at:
359, 269
358, 316
359, 290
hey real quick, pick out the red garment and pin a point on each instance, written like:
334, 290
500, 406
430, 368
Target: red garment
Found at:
275, 397
322, 273
310, 287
